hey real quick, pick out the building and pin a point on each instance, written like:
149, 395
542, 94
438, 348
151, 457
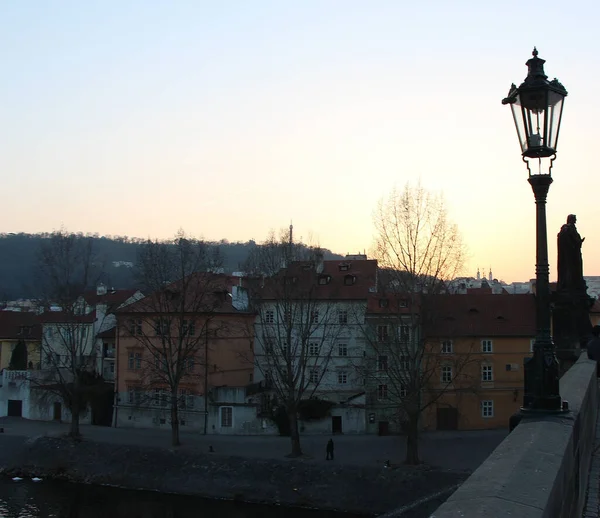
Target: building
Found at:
195, 332
309, 338
20, 326
391, 359
104, 302
488, 336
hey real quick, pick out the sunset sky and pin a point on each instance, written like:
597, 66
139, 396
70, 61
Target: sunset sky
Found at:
228, 119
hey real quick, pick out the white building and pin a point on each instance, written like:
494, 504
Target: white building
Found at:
311, 320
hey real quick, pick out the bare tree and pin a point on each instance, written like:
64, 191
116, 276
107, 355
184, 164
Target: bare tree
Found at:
418, 249
66, 266
296, 325
168, 332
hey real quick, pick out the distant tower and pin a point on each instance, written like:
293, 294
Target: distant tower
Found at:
478, 274
490, 277
290, 251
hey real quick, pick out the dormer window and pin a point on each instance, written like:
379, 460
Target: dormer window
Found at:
383, 303
403, 303
349, 280
344, 267
324, 279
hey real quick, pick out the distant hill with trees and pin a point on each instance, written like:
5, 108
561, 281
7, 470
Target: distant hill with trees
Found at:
118, 255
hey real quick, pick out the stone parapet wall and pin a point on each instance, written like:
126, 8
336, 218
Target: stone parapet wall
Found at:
541, 468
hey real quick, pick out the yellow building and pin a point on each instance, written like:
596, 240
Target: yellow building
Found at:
20, 326
480, 343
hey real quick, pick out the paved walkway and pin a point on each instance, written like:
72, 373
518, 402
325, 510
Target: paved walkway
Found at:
448, 450
592, 503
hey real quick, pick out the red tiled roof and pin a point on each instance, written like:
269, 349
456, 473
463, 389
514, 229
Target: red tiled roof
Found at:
17, 324
482, 315
113, 298
336, 280
57, 317
211, 295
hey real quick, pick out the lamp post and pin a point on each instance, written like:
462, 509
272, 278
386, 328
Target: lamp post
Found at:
537, 106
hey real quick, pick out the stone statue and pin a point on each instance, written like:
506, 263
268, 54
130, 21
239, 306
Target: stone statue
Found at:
570, 262
571, 303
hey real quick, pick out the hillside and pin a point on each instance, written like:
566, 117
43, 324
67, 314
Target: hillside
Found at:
18, 254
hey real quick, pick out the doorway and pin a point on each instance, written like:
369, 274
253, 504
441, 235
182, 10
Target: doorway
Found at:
57, 411
336, 424
447, 418
384, 428
15, 408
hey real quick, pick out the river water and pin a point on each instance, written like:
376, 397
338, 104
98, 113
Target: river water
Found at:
28, 499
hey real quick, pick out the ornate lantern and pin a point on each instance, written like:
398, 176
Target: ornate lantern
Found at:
537, 107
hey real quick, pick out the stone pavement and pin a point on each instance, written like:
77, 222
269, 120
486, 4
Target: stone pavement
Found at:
592, 503
447, 450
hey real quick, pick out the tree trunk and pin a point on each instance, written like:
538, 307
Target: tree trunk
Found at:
294, 433
75, 410
174, 421
74, 431
412, 440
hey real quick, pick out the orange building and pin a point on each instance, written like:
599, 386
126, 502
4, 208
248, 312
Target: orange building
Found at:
487, 337
214, 340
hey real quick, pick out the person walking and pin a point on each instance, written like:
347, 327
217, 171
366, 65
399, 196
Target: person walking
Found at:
329, 450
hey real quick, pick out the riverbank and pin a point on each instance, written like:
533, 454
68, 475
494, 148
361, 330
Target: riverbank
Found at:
360, 490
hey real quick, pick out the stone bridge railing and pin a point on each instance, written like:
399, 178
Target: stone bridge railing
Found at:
541, 468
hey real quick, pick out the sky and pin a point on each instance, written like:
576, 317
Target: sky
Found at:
229, 119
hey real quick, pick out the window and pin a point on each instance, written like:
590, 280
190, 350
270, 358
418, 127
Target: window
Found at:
343, 317
487, 408
314, 376
382, 363
349, 280
384, 303
270, 317
138, 360
486, 346
134, 395
405, 363
403, 303
342, 377
189, 364
160, 397
135, 327
382, 333
487, 373
344, 267
131, 361
446, 374
188, 328
531, 345
403, 390
314, 317
382, 392
404, 333
162, 326
186, 399
447, 347
313, 349
226, 417
342, 349
324, 279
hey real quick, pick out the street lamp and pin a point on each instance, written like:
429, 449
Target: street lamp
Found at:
537, 106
